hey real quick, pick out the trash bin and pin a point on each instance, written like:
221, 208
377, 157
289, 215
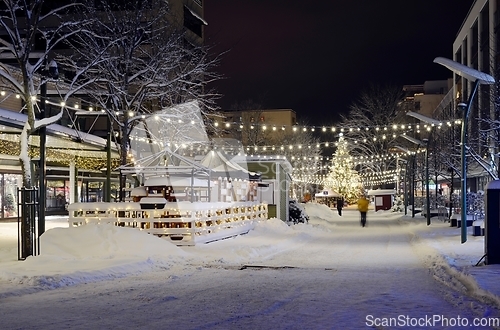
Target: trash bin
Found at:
468, 221
477, 228
492, 223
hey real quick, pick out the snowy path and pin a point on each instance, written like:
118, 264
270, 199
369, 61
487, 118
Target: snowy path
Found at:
337, 274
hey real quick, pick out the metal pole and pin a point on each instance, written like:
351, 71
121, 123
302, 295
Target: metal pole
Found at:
41, 167
436, 182
463, 210
407, 179
397, 177
413, 161
451, 192
107, 197
427, 197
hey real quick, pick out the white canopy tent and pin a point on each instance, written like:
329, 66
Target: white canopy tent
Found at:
327, 193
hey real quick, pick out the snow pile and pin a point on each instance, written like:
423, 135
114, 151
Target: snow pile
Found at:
266, 240
104, 242
90, 253
321, 215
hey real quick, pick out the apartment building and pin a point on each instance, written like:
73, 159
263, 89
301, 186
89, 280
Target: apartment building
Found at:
425, 98
252, 125
476, 46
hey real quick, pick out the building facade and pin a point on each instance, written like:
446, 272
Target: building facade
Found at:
254, 127
476, 46
426, 97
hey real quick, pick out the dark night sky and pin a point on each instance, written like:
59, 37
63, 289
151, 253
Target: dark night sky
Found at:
317, 56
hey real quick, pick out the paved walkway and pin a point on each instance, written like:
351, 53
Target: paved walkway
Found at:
341, 276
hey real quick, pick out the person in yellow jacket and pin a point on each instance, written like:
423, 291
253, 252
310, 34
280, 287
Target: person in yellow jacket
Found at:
363, 208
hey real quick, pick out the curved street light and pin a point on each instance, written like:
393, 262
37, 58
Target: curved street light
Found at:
479, 78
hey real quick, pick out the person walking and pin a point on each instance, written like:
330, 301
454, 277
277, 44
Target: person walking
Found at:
340, 205
363, 203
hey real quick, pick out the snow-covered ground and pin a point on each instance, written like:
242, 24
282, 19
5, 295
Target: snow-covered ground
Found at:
330, 273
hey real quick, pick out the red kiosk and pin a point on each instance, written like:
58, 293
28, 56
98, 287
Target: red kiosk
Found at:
383, 198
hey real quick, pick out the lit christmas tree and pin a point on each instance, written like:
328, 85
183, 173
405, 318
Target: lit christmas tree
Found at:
343, 178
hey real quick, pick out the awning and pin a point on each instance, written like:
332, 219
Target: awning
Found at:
58, 136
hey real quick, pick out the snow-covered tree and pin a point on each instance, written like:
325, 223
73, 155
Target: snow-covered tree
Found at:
142, 62
249, 130
302, 150
343, 178
378, 106
32, 30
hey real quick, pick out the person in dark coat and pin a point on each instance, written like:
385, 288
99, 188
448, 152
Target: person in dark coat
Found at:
340, 205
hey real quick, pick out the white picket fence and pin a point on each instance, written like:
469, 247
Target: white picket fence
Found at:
184, 223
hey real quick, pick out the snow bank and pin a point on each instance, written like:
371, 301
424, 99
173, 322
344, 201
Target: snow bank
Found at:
90, 253
104, 242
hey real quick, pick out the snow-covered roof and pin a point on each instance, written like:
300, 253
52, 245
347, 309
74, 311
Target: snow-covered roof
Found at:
164, 162
59, 137
167, 162
216, 161
379, 192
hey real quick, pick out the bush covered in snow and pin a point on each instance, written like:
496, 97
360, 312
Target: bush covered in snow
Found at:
399, 204
297, 213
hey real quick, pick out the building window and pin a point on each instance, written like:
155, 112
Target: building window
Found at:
262, 118
417, 105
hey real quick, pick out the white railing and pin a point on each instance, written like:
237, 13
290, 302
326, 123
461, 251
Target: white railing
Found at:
184, 223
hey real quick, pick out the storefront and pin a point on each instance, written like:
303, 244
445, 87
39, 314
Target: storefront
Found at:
70, 155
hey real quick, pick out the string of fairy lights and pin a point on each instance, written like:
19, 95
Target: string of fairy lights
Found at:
376, 133
12, 148
371, 179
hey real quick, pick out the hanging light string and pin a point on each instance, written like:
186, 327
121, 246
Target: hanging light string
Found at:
399, 127
376, 132
84, 105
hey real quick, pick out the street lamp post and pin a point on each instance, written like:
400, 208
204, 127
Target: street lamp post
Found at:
425, 144
450, 169
406, 176
407, 180
427, 194
465, 107
479, 78
432, 122
53, 73
413, 169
